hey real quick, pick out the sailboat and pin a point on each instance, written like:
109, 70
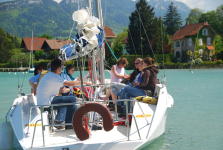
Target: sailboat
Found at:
95, 127
31, 68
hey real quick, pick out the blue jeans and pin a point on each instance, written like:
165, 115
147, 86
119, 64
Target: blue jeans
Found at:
127, 93
64, 113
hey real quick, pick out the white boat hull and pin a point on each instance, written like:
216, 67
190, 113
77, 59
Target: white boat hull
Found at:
148, 124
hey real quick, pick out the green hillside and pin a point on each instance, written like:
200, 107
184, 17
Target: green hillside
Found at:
20, 17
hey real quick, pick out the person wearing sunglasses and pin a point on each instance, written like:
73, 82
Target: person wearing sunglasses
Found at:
143, 84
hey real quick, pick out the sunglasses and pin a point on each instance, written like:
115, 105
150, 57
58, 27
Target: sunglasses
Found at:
137, 63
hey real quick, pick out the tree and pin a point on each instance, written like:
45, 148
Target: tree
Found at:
40, 55
218, 42
172, 19
7, 43
194, 16
215, 19
46, 36
118, 45
18, 58
141, 29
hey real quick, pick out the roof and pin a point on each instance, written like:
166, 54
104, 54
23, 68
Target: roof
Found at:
210, 47
189, 30
109, 33
37, 43
57, 44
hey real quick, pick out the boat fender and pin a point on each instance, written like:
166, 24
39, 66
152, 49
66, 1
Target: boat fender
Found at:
147, 99
150, 100
77, 122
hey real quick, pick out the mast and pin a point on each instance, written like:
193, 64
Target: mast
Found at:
32, 51
31, 54
102, 49
90, 7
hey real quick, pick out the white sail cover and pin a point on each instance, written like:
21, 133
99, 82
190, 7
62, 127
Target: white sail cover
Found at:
89, 37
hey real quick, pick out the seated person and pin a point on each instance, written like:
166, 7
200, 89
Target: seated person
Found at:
48, 88
34, 80
129, 80
146, 81
118, 73
67, 76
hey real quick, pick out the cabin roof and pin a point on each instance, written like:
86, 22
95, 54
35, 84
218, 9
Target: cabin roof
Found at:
57, 44
109, 33
189, 30
37, 43
210, 47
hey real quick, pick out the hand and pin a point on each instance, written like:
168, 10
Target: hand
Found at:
88, 83
135, 83
126, 76
64, 90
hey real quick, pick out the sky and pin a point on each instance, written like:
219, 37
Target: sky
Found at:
205, 5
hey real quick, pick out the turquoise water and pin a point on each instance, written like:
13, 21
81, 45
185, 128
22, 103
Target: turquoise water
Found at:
194, 123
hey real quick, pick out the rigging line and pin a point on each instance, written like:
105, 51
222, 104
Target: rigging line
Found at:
71, 30
106, 64
84, 62
162, 42
145, 32
140, 39
132, 41
24, 77
111, 50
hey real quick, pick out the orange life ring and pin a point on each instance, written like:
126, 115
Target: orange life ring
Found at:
77, 122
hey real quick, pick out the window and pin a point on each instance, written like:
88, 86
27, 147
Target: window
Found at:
205, 32
208, 41
189, 42
177, 54
200, 42
177, 44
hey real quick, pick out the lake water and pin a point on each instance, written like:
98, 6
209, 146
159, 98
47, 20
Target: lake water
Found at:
194, 123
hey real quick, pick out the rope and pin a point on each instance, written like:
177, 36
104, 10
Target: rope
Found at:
132, 41
71, 31
162, 35
111, 50
145, 32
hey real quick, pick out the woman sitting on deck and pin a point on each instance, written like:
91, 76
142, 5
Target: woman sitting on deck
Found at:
146, 81
144, 84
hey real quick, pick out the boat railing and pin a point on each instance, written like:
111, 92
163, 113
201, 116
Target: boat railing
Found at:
43, 108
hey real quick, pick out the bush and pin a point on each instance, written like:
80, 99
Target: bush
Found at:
219, 55
3, 65
43, 62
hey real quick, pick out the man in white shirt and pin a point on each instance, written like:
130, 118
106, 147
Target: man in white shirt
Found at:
51, 85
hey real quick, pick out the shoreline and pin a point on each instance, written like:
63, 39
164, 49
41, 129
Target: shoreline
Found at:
200, 66
161, 68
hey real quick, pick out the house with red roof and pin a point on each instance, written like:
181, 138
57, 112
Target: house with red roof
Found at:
109, 34
36, 43
194, 38
53, 44
32, 44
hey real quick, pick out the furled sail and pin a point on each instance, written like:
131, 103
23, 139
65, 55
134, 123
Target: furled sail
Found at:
90, 36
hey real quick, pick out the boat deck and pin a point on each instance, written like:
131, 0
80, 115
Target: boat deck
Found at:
67, 139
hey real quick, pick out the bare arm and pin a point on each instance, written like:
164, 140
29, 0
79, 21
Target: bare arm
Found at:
75, 83
116, 73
